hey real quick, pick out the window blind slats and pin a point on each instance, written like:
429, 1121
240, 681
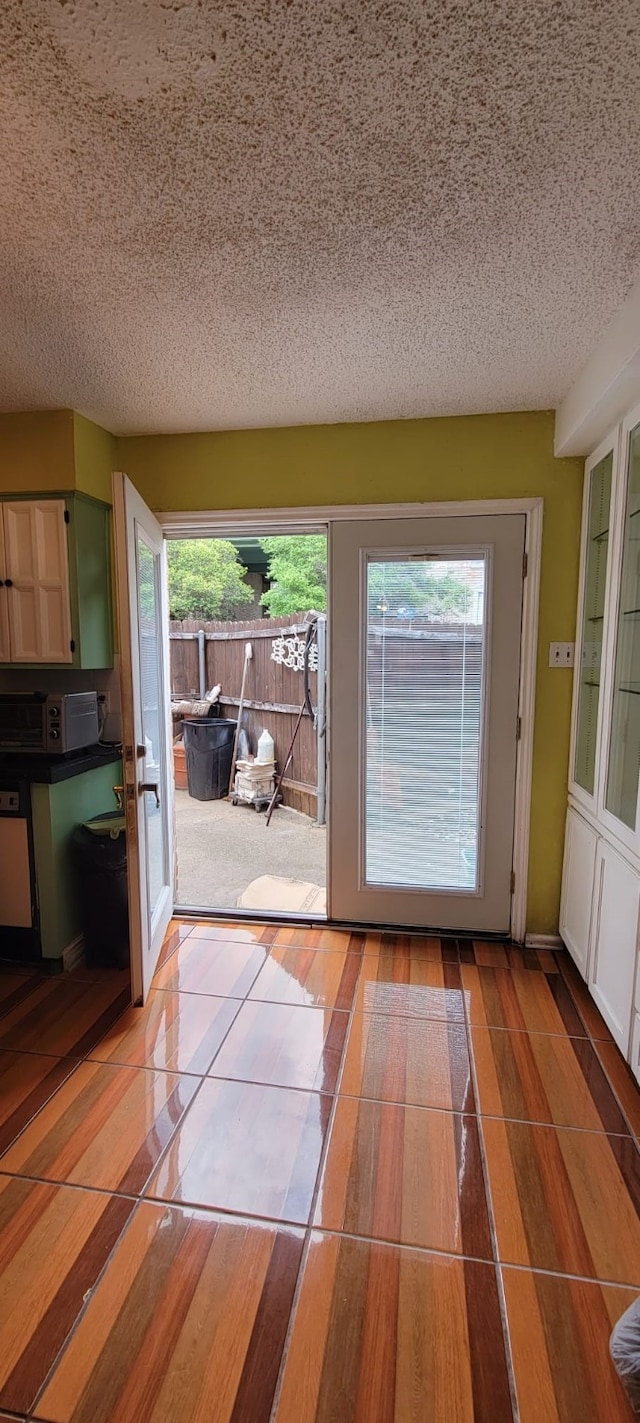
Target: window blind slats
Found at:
425, 650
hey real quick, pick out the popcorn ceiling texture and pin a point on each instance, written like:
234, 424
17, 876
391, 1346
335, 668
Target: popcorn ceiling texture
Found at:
279, 211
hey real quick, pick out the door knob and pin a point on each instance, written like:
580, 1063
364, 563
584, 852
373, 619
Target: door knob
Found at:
8, 582
152, 787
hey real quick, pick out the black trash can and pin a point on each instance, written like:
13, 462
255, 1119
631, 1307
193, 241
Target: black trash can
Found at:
100, 855
208, 745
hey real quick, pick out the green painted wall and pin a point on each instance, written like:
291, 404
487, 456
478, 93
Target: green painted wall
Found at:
56, 810
37, 451
94, 458
43, 450
485, 456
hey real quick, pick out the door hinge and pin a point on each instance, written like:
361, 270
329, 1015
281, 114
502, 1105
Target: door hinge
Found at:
72, 645
67, 517
518, 727
525, 564
513, 881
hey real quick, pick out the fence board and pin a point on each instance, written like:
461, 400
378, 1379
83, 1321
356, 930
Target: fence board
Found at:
273, 692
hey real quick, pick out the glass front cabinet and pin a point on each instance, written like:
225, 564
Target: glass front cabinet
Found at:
600, 908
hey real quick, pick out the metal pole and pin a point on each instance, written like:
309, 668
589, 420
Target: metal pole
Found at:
202, 666
321, 722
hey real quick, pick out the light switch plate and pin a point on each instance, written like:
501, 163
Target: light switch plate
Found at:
561, 654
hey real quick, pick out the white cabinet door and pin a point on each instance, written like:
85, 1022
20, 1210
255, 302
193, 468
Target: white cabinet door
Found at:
615, 941
5, 646
37, 580
580, 845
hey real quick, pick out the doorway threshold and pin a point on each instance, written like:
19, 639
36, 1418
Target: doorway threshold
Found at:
322, 921
249, 916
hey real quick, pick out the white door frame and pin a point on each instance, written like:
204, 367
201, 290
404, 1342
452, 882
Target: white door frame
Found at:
220, 523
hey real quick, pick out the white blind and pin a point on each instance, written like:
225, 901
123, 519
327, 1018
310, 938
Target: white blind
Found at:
424, 690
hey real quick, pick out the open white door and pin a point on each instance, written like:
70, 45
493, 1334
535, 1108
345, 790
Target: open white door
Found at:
143, 622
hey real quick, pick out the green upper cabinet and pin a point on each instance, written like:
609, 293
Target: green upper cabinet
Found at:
55, 582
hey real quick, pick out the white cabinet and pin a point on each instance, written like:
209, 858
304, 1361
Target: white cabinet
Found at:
600, 910
55, 582
36, 581
615, 940
580, 847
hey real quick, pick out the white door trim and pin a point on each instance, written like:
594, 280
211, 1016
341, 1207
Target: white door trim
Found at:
220, 522
182, 524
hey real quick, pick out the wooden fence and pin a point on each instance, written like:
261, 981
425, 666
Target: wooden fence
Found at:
274, 692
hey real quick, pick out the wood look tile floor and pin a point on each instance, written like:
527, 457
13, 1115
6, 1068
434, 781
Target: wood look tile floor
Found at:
322, 1177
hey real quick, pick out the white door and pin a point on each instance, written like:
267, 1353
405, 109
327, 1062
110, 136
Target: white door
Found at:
425, 620
37, 580
143, 621
5, 648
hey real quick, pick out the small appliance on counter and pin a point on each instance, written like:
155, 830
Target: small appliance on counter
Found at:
50, 723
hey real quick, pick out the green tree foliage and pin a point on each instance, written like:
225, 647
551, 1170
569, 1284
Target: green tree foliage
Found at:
206, 579
416, 590
298, 573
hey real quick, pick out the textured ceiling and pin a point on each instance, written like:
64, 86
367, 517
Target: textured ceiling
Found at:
267, 212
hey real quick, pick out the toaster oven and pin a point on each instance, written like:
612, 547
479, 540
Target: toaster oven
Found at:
50, 722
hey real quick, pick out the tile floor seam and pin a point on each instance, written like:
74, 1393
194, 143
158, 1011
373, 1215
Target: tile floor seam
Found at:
10, 1144
72, 1185
502, 1302
442, 1253
632, 1132
32, 1410
529, 1032
174, 1071
590, 1034
312, 1210
488, 1116
117, 1067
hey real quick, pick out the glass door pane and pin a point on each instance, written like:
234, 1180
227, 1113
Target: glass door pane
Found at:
624, 749
424, 682
597, 557
153, 718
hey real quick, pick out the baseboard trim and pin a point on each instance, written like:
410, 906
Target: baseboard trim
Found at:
543, 941
73, 954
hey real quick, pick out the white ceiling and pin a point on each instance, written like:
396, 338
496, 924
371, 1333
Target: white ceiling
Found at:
262, 212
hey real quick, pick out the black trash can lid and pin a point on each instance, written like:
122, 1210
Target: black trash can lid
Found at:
112, 823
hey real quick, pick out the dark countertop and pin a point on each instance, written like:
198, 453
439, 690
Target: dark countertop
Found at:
48, 770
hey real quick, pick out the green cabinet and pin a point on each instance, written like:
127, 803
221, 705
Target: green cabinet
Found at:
56, 810
55, 581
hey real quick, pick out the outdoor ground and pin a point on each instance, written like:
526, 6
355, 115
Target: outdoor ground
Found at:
222, 849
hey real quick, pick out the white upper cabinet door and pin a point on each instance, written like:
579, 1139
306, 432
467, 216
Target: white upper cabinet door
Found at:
5, 646
37, 580
593, 623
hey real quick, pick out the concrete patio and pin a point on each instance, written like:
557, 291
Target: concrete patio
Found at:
224, 850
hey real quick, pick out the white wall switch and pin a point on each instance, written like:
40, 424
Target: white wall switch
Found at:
561, 654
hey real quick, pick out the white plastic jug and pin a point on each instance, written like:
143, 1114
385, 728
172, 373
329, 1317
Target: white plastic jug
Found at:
266, 748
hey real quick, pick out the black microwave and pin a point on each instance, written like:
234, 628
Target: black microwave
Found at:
51, 722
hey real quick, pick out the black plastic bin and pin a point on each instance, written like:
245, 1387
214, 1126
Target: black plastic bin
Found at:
100, 856
208, 745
